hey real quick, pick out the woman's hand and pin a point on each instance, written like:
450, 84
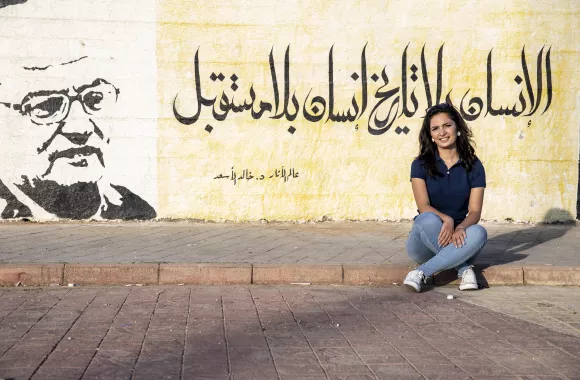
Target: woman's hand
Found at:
446, 233
458, 237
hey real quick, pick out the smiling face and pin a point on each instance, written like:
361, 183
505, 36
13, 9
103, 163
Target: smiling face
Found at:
443, 131
58, 131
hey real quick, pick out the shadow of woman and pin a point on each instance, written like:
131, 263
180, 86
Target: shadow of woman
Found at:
513, 246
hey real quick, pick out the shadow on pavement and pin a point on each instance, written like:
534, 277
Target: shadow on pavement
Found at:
263, 333
511, 247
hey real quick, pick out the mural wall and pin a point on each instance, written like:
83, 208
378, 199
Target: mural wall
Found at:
291, 110
78, 110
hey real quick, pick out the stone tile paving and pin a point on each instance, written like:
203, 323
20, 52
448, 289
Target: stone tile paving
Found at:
336, 242
270, 333
557, 308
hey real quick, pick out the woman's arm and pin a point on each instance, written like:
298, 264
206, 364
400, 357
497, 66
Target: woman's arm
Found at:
422, 201
473, 216
422, 198
474, 208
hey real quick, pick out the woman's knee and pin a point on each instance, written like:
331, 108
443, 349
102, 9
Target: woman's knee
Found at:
428, 219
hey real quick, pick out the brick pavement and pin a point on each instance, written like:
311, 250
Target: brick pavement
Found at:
265, 251
557, 308
308, 333
347, 242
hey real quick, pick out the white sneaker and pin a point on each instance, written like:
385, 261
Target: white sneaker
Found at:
414, 279
468, 280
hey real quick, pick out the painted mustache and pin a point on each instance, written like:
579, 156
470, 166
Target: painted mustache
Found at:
72, 153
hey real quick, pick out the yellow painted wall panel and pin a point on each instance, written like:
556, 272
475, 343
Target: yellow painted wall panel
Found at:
345, 172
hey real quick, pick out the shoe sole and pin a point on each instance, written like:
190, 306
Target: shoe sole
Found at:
469, 287
412, 286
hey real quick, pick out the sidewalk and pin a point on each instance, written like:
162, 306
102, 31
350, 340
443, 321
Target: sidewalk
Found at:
355, 253
283, 333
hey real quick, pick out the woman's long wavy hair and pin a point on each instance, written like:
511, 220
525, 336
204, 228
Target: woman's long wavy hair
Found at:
427, 147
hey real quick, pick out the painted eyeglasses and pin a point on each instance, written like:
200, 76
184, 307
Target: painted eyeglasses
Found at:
48, 107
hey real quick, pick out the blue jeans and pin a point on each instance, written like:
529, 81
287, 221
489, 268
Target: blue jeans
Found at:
423, 248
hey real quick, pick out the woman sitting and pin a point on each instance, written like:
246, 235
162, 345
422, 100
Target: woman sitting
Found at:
448, 182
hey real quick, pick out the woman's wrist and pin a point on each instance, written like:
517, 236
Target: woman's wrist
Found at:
448, 219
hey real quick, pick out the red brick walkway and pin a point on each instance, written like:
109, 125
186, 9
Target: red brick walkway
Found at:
258, 333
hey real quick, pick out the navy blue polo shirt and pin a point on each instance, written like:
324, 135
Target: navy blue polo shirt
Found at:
449, 193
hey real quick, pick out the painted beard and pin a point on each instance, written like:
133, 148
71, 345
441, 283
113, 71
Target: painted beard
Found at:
76, 201
68, 167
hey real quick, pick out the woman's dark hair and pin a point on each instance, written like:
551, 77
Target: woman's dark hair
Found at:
427, 147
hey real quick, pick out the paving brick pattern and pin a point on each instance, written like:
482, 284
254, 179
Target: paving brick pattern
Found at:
255, 333
315, 243
557, 308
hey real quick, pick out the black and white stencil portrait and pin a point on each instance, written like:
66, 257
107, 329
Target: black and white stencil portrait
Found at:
76, 140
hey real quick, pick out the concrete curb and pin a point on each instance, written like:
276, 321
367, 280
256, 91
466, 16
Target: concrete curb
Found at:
205, 274
544, 275
266, 274
375, 274
111, 274
31, 274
